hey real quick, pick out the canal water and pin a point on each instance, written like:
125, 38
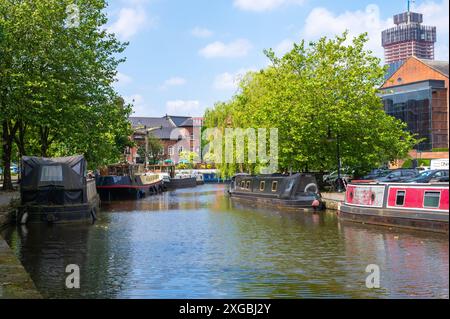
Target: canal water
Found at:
197, 243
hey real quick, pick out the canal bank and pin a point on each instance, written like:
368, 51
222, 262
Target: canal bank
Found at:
15, 283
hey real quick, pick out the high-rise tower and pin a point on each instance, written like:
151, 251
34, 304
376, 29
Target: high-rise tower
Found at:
408, 38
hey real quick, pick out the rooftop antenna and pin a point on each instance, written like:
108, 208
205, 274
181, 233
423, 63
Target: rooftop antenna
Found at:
409, 4
409, 9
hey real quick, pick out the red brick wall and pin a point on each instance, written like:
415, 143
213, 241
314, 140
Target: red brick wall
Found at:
412, 71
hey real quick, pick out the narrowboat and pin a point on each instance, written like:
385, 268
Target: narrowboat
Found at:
414, 206
56, 190
175, 180
127, 181
297, 192
181, 181
191, 173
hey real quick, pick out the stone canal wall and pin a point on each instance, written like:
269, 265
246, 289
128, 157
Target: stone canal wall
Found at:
7, 200
332, 200
15, 283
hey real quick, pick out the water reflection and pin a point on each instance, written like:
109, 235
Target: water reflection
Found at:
196, 243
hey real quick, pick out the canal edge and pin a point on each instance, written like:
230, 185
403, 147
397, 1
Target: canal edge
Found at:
15, 282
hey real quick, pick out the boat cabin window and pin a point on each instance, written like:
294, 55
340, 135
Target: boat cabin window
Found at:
242, 184
247, 185
51, 173
431, 199
400, 200
274, 186
262, 186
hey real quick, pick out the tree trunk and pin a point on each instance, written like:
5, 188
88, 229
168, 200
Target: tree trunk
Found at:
45, 143
8, 133
20, 139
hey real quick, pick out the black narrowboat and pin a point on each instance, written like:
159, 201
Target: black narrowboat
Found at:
127, 181
297, 192
182, 182
56, 190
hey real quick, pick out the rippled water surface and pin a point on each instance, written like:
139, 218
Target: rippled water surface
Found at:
196, 243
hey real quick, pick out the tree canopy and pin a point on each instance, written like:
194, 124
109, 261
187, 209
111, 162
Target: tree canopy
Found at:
56, 82
316, 95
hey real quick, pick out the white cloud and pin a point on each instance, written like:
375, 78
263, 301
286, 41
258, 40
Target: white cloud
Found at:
129, 22
140, 107
436, 14
237, 48
123, 79
230, 81
322, 22
199, 32
263, 5
284, 47
182, 107
175, 81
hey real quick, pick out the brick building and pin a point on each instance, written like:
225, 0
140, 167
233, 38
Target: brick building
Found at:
176, 133
418, 94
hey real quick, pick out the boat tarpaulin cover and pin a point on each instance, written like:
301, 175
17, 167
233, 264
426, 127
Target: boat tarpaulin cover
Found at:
53, 180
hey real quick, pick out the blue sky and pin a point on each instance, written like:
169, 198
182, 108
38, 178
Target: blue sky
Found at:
186, 55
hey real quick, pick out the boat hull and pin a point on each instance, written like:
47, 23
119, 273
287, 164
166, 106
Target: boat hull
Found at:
302, 204
435, 222
119, 192
59, 214
181, 183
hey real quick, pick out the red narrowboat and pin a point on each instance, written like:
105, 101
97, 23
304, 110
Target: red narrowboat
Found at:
415, 206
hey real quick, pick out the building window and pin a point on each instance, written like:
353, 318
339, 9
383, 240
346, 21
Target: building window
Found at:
243, 184
262, 186
170, 150
274, 186
180, 149
247, 185
400, 200
431, 199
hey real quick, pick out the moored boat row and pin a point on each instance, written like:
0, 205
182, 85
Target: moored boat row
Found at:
59, 190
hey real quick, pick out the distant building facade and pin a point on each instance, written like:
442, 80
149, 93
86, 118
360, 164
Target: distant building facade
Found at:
418, 94
176, 134
408, 38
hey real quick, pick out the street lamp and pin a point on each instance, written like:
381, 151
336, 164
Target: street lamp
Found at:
338, 155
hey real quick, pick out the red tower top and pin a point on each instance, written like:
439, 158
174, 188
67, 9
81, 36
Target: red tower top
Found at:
408, 38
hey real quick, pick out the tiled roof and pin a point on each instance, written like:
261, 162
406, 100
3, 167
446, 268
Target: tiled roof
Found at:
179, 120
150, 122
440, 66
188, 122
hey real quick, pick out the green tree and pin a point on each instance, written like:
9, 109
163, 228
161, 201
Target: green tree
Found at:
315, 94
56, 93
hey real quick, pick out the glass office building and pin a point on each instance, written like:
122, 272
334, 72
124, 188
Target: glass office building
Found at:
423, 107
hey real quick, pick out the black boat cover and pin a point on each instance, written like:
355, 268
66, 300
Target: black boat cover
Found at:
56, 181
